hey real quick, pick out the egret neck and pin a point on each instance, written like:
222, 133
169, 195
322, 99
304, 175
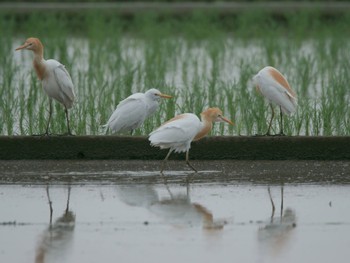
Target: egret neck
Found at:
39, 62
207, 125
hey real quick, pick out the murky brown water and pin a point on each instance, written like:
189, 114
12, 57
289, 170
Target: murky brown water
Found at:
147, 220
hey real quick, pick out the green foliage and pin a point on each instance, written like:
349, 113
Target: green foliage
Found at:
203, 60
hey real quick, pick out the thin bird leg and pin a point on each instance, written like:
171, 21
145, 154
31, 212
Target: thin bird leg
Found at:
68, 198
165, 161
48, 121
66, 111
282, 201
50, 203
281, 125
272, 116
169, 192
188, 191
272, 204
188, 162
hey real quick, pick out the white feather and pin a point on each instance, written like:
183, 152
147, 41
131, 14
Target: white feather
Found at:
58, 84
132, 111
177, 133
274, 92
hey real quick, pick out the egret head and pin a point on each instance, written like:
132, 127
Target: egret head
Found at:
155, 94
33, 44
215, 115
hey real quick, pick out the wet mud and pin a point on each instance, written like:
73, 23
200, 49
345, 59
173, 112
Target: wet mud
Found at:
147, 171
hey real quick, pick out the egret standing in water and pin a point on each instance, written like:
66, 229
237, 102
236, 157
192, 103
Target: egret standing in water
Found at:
178, 133
132, 111
276, 89
54, 78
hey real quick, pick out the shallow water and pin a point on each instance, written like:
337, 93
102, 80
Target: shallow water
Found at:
221, 221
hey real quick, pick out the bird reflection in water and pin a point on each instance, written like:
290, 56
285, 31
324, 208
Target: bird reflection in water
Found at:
175, 209
276, 232
56, 238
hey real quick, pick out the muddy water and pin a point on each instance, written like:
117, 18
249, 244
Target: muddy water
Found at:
171, 221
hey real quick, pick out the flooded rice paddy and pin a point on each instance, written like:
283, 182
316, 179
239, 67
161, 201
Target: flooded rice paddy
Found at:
108, 211
198, 74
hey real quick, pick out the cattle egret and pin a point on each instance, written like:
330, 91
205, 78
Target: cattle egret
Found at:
132, 111
54, 77
178, 133
276, 89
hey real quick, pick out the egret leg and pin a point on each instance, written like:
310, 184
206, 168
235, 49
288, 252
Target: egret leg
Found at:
68, 126
48, 121
281, 125
168, 189
282, 201
50, 203
68, 198
188, 162
272, 204
272, 116
165, 160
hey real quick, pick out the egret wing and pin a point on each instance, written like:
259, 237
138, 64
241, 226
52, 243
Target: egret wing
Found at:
281, 97
65, 84
182, 128
135, 96
129, 114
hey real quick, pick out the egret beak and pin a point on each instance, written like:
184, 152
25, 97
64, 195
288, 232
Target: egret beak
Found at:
165, 96
25, 45
223, 119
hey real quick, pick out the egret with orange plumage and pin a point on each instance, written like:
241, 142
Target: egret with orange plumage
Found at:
178, 133
55, 79
276, 89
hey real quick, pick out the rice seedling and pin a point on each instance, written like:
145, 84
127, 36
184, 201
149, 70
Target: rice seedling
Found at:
203, 60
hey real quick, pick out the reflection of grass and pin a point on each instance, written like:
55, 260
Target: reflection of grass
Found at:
202, 60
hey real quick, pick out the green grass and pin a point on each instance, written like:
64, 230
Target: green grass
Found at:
203, 60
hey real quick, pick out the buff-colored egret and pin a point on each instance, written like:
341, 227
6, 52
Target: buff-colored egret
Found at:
178, 133
132, 111
54, 77
276, 89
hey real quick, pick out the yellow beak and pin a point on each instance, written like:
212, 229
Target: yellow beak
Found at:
165, 96
22, 47
226, 120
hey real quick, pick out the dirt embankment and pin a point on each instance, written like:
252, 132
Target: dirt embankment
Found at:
210, 148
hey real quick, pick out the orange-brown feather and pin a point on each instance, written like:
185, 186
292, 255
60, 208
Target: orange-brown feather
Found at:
207, 215
38, 50
174, 119
39, 69
208, 116
204, 131
277, 76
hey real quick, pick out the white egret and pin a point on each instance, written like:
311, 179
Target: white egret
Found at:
276, 89
132, 111
178, 133
54, 77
